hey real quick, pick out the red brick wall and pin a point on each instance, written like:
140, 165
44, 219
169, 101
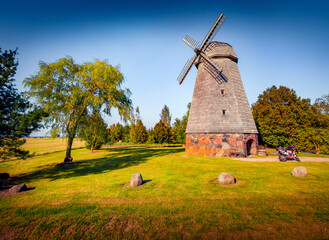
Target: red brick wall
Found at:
230, 144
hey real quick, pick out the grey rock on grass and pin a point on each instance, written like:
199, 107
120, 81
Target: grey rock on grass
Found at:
17, 189
299, 172
136, 180
226, 178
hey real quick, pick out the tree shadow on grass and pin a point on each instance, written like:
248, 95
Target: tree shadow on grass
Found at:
117, 158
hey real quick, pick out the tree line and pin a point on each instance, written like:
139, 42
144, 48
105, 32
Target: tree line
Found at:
96, 133
72, 98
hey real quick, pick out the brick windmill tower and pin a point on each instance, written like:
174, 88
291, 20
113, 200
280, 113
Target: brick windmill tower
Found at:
220, 121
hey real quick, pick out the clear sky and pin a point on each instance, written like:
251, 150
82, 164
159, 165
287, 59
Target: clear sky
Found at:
280, 42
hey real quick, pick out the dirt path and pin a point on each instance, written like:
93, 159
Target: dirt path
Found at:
275, 159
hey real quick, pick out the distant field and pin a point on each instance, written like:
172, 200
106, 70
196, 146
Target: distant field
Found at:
48, 145
181, 198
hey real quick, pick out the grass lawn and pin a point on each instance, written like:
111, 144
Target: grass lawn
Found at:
181, 198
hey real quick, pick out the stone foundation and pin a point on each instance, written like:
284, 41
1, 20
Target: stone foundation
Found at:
220, 145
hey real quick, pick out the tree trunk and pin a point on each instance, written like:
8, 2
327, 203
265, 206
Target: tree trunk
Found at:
91, 147
317, 149
68, 158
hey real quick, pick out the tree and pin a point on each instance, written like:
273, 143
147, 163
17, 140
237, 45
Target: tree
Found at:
93, 131
315, 131
179, 128
165, 116
280, 115
150, 136
114, 133
322, 104
17, 117
162, 133
141, 134
138, 114
138, 132
125, 133
68, 92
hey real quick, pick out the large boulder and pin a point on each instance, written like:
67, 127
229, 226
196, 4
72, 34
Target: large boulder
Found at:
299, 172
226, 178
136, 180
17, 188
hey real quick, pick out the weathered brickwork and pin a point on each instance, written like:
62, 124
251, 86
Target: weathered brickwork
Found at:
220, 145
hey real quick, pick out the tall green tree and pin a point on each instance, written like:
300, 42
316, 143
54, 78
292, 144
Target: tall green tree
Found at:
93, 131
138, 133
162, 133
165, 116
17, 117
141, 133
179, 127
115, 133
280, 116
315, 132
126, 133
68, 92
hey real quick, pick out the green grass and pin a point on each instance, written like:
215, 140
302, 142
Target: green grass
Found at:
180, 199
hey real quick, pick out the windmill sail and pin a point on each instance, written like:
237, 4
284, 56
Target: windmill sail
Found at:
191, 42
212, 32
186, 69
199, 48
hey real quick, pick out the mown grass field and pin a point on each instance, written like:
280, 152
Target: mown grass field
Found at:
180, 198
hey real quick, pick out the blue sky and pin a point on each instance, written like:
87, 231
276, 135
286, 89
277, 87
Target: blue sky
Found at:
277, 42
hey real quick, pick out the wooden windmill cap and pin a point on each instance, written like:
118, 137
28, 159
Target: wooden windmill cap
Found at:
221, 50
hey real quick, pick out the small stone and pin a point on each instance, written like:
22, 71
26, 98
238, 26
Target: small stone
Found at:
4, 176
226, 178
136, 180
299, 172
17, 189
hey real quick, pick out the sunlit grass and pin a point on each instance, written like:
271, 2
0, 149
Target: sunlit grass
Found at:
48, 145
180, 199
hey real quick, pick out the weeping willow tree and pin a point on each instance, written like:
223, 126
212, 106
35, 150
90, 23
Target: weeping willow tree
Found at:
70, 92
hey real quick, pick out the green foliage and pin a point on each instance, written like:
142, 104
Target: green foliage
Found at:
322, 104
165, 116
17, 118
150, 136
115, 133
93, 131
179, 127
315, 131
283, 118
69, 92
141, 134
126, 133
162, 133
138, 133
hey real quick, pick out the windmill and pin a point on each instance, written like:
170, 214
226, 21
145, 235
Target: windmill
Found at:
220, 121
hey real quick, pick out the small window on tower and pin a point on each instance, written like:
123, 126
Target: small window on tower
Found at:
223, 112
222, 92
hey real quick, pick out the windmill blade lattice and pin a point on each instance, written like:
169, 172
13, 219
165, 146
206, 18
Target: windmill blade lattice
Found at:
191, 42
212, 32
217, 28
186, 69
